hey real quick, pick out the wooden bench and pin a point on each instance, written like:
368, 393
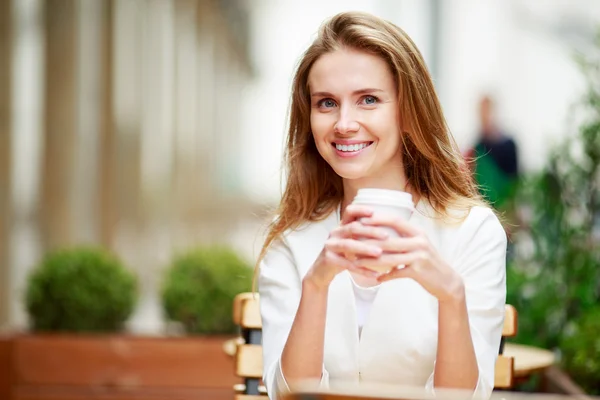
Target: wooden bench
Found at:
248, 356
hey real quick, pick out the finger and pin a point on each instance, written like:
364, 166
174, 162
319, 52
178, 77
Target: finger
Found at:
365, 271
354, 212
403, 227
352, 247
388, 260
337, 260
341, 262
397, 273
358, 230
401, 244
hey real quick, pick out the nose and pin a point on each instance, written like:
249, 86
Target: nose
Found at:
346, 123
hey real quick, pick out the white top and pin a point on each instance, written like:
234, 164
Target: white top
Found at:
364, 298
399, 338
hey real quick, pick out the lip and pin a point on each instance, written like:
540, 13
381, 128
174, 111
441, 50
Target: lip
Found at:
345, 154
349, 142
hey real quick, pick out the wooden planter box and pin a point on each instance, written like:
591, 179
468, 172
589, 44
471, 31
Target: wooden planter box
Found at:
5, 367
74, 367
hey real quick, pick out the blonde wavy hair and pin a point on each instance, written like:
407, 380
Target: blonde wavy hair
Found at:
433, 164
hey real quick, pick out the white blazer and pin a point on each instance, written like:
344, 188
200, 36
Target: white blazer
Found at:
399, 340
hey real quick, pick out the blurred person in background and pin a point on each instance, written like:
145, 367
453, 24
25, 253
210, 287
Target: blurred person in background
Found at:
495, 166
495, 158
365, 114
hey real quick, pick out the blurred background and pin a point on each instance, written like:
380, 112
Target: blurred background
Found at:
147, 128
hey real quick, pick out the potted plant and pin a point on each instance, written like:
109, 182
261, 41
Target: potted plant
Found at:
197, 294
81, 290
199, 289
78, 300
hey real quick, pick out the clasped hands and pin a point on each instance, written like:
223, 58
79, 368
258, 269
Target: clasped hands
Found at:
361, 242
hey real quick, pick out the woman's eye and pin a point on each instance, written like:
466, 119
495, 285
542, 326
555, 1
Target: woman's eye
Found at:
370, 100
327, 103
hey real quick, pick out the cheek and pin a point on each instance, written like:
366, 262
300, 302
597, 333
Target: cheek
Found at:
386, 127
320, 126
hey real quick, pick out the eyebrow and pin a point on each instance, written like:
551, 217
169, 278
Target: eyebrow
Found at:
356, 92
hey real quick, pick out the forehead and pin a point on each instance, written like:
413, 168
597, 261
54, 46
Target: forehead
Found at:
348, 70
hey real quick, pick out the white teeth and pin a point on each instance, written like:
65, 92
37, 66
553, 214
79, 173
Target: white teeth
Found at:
352, 147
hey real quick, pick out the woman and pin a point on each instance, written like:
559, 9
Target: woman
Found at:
364, 113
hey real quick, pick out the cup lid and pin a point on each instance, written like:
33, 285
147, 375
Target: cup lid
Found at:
384, 197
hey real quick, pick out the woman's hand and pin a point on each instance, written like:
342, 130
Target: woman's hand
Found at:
343, 248
419, 259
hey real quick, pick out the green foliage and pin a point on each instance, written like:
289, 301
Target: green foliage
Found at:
80, 290
554, 280
200, 287
581, 350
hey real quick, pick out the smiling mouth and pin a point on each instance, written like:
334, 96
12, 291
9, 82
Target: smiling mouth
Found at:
350, 148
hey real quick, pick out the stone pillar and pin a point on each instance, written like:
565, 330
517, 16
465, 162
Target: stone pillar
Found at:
91, 86
142, 114
208, 96
5, 157
107, 149
26, 100
187, 70
157, 70
61, 34
122, 135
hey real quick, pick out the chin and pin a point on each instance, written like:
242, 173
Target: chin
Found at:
350, 173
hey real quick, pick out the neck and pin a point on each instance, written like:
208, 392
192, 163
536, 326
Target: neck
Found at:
351, 186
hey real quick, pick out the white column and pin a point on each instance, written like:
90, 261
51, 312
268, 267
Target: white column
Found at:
27, 140
157, 114
207, 99
157, 69
90, 92
186, 108
126, 99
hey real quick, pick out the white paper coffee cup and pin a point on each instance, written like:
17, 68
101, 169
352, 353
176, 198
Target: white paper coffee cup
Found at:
389, 202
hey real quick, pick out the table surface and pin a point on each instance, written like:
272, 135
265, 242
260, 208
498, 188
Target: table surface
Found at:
528, 359
312, 391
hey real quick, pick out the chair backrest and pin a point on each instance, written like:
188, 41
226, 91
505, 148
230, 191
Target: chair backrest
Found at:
505, 366
248, 358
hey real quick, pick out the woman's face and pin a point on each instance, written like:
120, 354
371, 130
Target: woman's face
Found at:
355, 115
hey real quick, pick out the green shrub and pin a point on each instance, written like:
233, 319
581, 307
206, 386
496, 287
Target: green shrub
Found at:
80, 290
581, 351
200, 287
554, 280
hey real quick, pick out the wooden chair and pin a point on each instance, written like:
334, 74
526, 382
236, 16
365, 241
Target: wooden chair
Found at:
248, 357
505, 366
